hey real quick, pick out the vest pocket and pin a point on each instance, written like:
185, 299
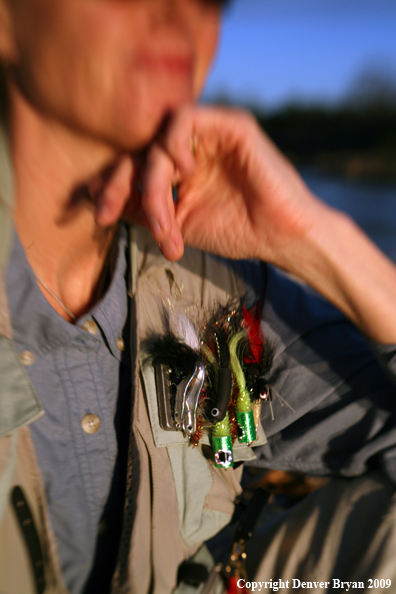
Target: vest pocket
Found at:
205, 494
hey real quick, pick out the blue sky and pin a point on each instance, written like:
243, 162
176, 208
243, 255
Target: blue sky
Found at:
274, 51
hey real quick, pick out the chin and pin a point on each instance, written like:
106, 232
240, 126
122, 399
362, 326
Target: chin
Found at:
139, 116
139, 135
136, 133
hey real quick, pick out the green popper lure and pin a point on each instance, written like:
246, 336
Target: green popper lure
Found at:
246, 428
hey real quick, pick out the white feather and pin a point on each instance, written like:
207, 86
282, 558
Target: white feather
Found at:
185, 329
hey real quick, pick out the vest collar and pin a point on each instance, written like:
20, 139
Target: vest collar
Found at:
19, 403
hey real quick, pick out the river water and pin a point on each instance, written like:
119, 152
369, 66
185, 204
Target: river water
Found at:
372, 204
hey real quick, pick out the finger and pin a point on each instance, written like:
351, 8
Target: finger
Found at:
115, 193
172, 247
178, 140
95, 186
157, 202
157, 179
191, 127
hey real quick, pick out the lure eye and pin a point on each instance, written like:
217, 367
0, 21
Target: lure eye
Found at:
264, 395
223, 458
215, 412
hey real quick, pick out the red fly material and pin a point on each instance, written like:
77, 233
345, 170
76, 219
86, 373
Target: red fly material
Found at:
194, 439
231, 411
212, 346
233, 586
251, 320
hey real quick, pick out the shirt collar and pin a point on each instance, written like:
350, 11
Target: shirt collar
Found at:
110, 313
39, 327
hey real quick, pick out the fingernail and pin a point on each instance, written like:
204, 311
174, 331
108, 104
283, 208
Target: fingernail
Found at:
174, 249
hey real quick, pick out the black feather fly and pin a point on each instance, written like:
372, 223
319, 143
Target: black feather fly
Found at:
169, 350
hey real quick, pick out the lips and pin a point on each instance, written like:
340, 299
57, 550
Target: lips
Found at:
170, 64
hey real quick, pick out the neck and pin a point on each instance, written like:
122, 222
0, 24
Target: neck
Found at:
54, 217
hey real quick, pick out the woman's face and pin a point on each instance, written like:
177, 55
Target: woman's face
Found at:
112, 68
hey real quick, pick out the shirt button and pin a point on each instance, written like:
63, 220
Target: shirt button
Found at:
90, 326
26, 358
90, 423
120, 344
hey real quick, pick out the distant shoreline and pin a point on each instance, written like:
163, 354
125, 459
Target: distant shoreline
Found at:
355, 140
354, 166
354, 143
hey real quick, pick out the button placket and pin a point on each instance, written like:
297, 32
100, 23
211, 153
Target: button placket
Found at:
90, 429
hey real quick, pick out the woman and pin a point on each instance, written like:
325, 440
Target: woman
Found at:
101, 124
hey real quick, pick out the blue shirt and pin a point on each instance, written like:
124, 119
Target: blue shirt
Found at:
77, 373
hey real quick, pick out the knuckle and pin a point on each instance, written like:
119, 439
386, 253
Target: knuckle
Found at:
246, 118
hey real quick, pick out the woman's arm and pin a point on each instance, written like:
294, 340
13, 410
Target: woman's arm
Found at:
339, 261
239, 197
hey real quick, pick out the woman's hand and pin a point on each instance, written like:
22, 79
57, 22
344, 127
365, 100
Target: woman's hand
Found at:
242, 199
239, 197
